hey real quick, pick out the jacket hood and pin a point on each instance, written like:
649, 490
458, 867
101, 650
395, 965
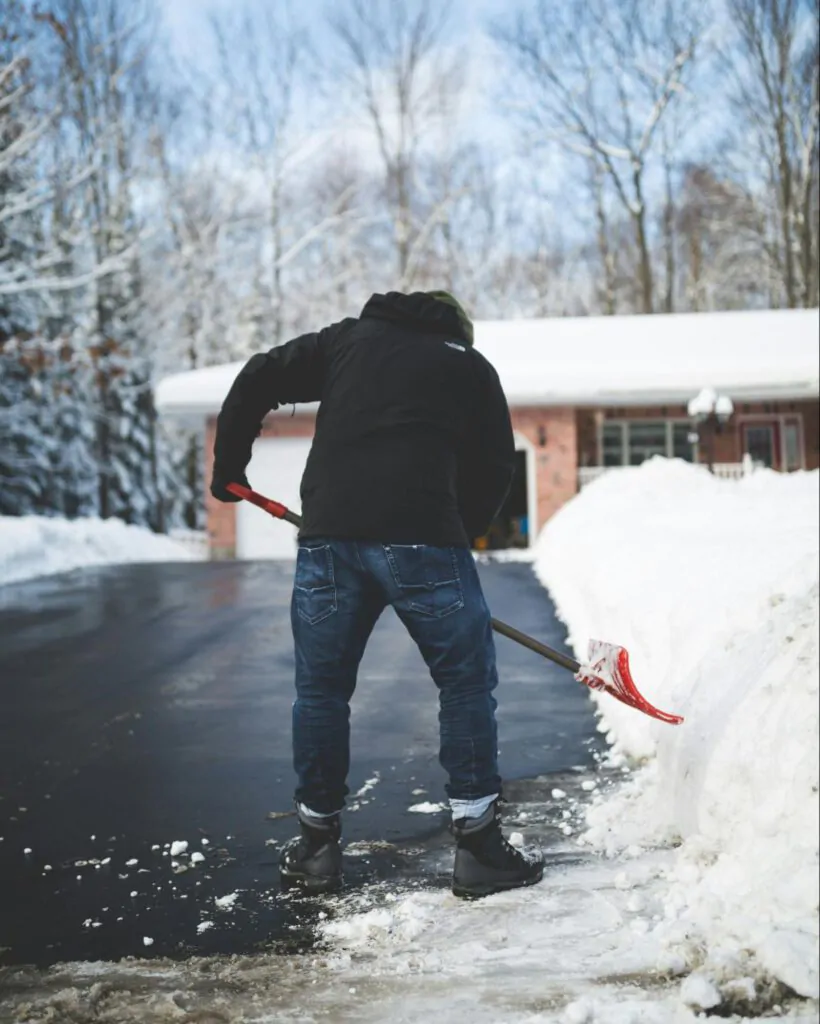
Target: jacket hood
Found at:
424, 311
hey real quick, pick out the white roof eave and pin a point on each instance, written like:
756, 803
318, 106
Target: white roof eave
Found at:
605, 361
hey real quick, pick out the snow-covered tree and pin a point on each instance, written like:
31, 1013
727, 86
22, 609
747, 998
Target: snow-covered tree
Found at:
101, 48
45, 458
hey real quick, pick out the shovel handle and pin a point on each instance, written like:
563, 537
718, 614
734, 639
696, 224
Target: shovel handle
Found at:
535, 645
274, 508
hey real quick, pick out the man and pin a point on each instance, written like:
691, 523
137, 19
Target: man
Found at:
413, 456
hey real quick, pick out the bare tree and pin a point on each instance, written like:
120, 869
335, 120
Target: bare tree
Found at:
601, 77
396, 71
253, 107
717, 231
775, 94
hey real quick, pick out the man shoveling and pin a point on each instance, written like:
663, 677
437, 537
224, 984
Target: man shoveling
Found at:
413, 455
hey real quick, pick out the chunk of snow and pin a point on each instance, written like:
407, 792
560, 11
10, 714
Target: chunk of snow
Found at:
197, 857
226, 902
132, 863
147, 940
203, 926
516, 839
178, 847
368, 785
558, 794
578, 1012
700, 993
27, 850
426, 808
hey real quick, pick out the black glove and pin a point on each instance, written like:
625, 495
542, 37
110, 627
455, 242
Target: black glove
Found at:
220, 481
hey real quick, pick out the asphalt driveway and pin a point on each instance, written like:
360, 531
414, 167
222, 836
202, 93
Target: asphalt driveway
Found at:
149, 704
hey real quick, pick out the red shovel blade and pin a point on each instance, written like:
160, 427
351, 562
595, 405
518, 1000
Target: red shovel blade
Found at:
607, 669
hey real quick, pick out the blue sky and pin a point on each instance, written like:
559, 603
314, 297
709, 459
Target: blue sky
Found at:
188, 32
486, 119
186, 20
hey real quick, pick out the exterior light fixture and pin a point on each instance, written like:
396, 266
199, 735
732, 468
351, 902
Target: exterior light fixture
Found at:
710, 412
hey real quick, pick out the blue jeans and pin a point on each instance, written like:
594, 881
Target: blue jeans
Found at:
341, 588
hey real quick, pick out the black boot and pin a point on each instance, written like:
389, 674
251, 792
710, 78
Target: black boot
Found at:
313, 860
486, 862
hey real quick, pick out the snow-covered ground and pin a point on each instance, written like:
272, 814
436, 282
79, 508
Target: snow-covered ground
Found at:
704, 893
684, 877
38, 545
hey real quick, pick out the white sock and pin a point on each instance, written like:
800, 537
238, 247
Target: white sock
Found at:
316, 814
471, 808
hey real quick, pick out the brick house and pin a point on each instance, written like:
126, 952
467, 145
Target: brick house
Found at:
587, 395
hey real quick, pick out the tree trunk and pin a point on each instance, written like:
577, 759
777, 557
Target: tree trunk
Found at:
669, 240
604, 250
645, 263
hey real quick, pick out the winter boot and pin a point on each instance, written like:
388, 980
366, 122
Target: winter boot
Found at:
312, 861
486, 862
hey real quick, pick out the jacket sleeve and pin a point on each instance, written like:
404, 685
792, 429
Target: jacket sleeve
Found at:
487, 459
293, 372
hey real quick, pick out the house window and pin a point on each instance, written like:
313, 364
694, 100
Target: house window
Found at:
612, 444
791, 446
646, 438
682, 447
631, 442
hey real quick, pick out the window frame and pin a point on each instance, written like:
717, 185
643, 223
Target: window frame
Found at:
623, 424
781, 420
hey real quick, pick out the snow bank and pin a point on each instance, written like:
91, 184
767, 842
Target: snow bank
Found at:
712, 585
37, 546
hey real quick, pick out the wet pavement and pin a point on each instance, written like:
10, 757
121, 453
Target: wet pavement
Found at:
148, 704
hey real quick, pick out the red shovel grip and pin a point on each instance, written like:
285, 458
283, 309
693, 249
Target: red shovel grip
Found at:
274, 508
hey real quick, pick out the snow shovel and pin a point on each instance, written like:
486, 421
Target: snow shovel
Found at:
607, 665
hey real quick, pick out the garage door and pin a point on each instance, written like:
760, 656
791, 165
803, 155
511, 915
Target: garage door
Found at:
275, 470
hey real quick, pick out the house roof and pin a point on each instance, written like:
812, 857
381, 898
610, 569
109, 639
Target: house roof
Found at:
609, 361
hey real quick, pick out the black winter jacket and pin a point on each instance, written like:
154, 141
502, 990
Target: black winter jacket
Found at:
413, 440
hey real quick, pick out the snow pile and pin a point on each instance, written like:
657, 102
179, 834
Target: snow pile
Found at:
38, 545
712, 585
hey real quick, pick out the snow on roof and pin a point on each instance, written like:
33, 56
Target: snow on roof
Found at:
609, 361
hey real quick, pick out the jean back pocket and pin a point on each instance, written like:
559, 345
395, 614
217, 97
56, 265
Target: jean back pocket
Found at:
427, 577
314, 591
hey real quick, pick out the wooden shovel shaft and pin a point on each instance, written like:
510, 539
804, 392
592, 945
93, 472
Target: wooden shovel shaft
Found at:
278, 510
